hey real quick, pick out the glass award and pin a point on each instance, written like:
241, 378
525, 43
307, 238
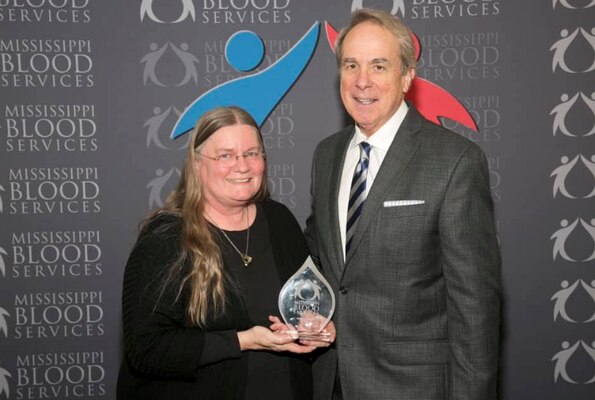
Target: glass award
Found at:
307, 303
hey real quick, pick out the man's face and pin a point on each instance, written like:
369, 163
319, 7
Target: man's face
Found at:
372, 85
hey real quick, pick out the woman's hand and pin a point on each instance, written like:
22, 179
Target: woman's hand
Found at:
261, 338
326, 341
278, 326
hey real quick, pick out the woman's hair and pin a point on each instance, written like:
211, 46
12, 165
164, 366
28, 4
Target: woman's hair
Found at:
205, 279
388, 22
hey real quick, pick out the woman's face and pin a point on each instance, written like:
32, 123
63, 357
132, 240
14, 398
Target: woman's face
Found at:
228, 186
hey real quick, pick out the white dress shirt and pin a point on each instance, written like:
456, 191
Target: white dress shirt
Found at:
379, 141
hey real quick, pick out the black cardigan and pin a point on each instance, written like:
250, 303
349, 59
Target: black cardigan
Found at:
162, 352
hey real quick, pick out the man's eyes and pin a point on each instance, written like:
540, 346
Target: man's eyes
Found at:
373, 67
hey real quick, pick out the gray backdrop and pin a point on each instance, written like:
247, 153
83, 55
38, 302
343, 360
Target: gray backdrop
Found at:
91, 89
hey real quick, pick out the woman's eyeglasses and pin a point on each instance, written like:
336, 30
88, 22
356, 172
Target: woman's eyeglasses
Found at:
252, 157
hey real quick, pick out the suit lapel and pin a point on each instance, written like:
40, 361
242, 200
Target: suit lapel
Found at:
400, 152
337, 161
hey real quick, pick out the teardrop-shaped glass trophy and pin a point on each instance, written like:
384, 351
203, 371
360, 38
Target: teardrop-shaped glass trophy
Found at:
307, 302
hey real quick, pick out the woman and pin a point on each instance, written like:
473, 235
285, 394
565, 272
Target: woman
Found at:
204, 275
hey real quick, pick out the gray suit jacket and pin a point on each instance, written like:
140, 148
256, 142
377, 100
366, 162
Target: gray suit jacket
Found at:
418, 297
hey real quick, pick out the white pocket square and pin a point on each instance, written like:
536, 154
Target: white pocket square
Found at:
401, 203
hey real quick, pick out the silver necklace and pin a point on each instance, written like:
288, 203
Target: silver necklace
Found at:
246, 259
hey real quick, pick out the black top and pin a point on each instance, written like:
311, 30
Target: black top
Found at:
165, 357
259, 283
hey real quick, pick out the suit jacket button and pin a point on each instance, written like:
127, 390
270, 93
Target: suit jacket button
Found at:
343, 290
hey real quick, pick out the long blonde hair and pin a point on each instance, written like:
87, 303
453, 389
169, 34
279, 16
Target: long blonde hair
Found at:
206, 279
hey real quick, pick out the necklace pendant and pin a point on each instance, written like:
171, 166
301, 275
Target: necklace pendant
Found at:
246, 259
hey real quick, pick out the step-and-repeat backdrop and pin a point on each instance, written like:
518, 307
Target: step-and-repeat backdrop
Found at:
90, 91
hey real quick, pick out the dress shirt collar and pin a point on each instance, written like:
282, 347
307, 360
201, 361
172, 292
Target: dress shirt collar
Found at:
384, 136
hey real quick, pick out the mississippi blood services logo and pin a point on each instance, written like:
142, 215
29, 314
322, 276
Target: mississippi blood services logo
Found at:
562, 358
152, 58
188, 10
216, 11
566, 229
561, 297
561, 173
567, 39
156, 134
244, 51
307, 290
561, 111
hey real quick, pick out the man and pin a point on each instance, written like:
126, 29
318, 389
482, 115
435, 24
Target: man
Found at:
408, 244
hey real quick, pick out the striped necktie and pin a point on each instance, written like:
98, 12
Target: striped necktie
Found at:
357, 195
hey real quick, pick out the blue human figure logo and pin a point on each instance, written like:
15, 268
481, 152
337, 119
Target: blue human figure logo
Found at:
258, 93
